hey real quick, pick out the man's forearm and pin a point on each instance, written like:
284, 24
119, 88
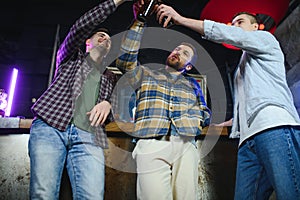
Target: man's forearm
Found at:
196, 25
130, 47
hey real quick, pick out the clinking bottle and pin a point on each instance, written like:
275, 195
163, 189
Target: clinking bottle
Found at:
148, 9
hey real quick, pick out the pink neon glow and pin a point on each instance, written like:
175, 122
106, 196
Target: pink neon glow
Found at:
11, 91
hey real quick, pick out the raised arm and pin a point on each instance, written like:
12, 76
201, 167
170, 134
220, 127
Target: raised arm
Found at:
166, 12
83, 27
254, 42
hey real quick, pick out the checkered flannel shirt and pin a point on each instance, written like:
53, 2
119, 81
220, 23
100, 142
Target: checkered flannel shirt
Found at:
56, 104
161, 100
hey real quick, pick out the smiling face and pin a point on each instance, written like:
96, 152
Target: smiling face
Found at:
180, 58
99, 39
246, 22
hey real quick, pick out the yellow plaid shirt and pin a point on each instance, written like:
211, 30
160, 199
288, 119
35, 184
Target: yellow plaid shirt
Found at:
160, 98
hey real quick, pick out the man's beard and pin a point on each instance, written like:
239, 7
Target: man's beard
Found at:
174, 65
102, 49
99, 52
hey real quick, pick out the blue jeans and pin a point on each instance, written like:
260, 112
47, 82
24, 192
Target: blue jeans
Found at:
269, 161
50, 150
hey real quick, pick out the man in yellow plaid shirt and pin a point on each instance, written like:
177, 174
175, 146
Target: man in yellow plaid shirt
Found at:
170, 113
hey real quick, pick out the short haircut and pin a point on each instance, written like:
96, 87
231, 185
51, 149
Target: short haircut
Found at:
98, 29
195, 56
253, 17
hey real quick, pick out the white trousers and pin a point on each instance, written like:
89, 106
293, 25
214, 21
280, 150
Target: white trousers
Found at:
167, 170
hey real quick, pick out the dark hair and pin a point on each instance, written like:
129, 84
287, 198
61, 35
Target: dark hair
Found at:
253, 17
195, 56
98, 29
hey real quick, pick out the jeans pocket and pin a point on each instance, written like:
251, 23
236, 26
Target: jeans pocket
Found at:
37, 124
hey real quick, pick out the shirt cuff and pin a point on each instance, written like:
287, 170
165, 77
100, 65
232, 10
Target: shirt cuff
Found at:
208, 29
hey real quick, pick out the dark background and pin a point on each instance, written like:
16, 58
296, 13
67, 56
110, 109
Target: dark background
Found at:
27, 39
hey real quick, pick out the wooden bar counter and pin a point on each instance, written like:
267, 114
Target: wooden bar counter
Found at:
23, 124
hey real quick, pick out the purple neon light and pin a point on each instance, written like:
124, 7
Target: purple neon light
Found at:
11, 91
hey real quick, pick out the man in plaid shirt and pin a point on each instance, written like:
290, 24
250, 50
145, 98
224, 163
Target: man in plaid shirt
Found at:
68, 129
170, 112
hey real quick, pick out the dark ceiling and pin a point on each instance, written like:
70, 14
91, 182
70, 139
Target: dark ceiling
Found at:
27, 37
